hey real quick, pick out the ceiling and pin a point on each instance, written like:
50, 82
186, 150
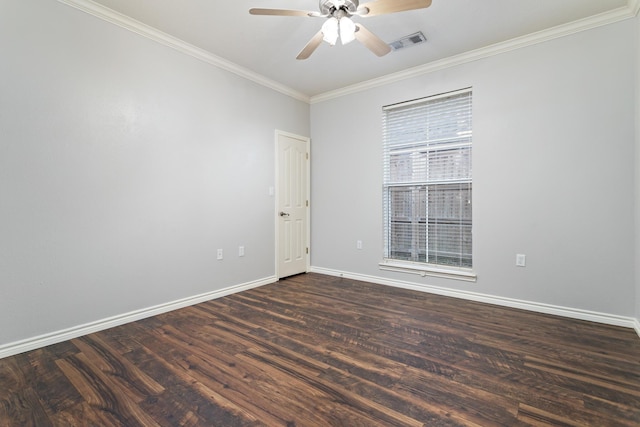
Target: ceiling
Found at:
268, 45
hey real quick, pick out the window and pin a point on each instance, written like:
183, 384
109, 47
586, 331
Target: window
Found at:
428, 185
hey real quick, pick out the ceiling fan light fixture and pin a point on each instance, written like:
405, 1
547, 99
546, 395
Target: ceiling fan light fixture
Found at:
330, 31
347, 30
339, 24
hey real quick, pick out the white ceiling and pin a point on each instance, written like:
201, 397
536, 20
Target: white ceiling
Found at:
268, 45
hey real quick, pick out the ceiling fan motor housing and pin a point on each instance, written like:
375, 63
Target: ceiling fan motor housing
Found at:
329, 7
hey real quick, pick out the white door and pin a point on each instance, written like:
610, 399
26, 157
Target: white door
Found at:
292, 204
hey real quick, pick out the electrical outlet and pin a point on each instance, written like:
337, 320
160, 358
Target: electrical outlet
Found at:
359, 244
220, 254
240, 250
521, 260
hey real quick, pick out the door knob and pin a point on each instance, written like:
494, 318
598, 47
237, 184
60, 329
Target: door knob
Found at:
284, 214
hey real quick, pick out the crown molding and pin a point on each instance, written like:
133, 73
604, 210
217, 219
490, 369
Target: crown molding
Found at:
88, 6
606, 18
158, 36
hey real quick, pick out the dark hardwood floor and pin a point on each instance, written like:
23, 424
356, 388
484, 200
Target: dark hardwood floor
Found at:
314, 350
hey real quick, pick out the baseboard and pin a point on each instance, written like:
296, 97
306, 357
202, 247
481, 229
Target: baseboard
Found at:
573, 313
70, 333
99, 325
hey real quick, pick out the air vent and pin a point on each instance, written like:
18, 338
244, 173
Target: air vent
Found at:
410, 40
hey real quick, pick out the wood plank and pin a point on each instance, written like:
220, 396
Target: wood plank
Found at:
19, 403
43, 375
180, 404
101, 393
132, 380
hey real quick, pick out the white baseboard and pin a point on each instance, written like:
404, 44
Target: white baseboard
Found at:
574, 313
77, 331
99, 325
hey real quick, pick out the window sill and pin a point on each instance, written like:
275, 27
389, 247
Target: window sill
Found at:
428, 270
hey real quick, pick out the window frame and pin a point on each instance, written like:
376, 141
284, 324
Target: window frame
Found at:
423, 268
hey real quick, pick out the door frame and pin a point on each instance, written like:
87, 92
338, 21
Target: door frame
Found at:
307, 142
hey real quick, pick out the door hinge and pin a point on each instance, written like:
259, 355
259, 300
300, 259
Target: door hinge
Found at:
307, 154
307, 203
307, 251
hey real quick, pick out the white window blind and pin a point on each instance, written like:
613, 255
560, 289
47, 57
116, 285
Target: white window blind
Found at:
428, 180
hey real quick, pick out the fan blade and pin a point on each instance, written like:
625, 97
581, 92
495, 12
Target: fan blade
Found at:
374, 43
280, 12
311, 46
381, 7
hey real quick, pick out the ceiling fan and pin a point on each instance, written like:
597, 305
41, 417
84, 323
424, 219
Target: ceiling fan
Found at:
338, 22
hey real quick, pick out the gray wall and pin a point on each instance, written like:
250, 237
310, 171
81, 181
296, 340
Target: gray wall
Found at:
553, 172
124, 165
637, 198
